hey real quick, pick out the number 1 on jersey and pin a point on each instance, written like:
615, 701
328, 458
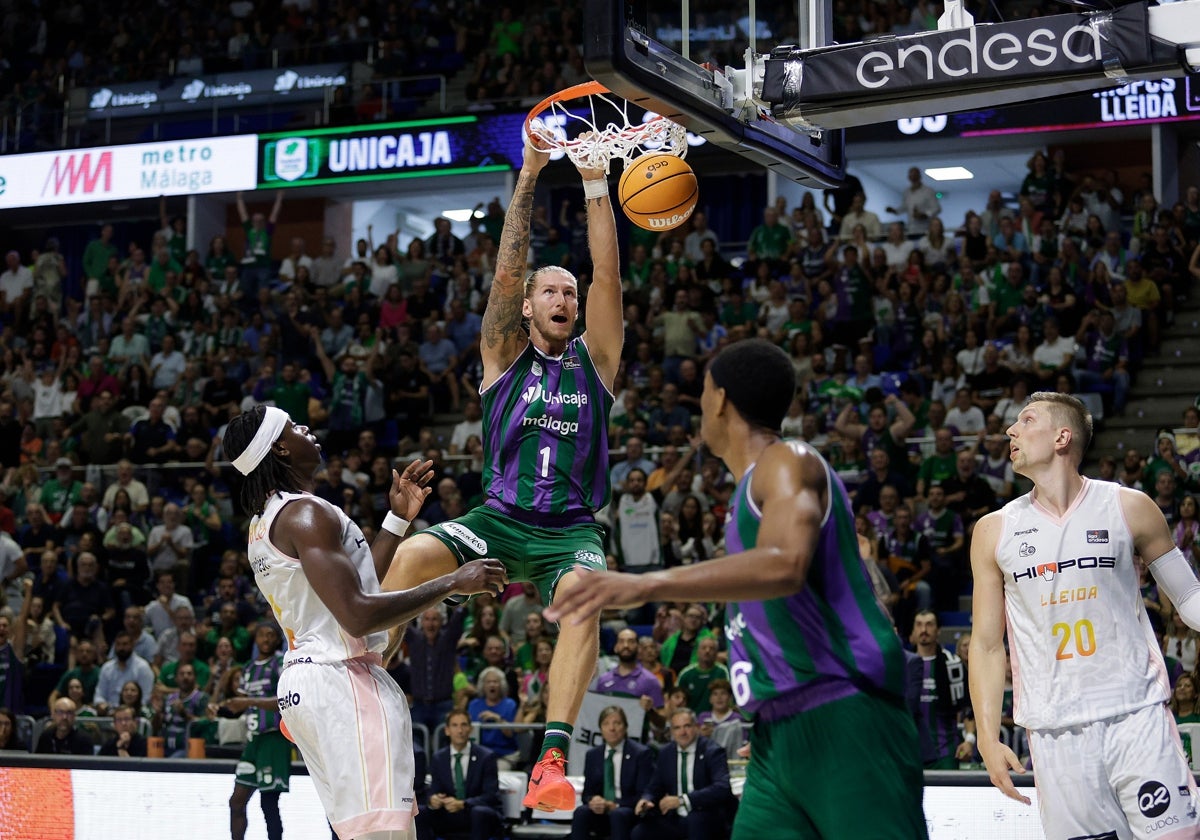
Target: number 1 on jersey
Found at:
545, 453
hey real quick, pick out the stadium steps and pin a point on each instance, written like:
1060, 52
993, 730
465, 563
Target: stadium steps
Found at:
1166, 384
456, 94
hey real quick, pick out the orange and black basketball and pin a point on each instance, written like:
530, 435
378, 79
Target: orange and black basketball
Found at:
658, 191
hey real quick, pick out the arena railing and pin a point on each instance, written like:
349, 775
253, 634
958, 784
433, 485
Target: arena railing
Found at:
34, 127
98, 729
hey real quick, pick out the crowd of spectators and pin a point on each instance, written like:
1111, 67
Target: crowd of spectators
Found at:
518, 51
914, 343
513, 53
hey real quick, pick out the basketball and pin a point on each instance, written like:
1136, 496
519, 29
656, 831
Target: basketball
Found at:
658, 191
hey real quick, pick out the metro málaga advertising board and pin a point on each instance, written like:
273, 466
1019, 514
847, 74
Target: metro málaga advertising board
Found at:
141, 170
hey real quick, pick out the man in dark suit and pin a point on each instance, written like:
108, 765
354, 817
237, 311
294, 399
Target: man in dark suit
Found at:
689, 796
614, 776
464, 798
62, 737
127, 743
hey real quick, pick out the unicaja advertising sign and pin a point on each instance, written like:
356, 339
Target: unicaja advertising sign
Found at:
231, 90
143, 170
382, 151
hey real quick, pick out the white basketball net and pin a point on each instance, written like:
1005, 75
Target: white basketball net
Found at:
596, 146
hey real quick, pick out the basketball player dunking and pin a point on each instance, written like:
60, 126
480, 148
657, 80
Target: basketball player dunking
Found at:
313, 565
812, 653
546, 398
1055, 567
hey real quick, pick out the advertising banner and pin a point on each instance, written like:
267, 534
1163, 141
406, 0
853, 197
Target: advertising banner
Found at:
1137, 103
416, 148
1056, 46
142, 170
587, 725
198, 93
140, 803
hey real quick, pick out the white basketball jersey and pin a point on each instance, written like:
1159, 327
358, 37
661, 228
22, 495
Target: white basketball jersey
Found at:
1080, 642
312, 633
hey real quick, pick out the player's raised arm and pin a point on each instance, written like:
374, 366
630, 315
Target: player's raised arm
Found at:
605, 321
987, 655
791, 487
502, 337
405, 498
1153, 541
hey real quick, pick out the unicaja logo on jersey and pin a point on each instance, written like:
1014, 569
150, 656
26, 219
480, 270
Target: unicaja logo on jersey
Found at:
537, 392
589, 558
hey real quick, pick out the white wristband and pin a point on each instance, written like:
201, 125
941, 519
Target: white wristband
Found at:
969, 737
595, 188
394, 524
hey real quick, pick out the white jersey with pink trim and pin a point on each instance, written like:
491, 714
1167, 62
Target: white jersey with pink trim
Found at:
311, 631
1081, 645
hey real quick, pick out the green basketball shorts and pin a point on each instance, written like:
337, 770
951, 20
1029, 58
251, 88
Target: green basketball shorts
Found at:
848, 769
266, 762
538, 555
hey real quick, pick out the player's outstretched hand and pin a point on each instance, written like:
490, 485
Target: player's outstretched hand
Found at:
537, 154
586, 172
410, 488
479, 577
594, 591
999, 759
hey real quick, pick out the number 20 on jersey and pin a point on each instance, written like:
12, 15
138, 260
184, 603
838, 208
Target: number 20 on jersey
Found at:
1077, 640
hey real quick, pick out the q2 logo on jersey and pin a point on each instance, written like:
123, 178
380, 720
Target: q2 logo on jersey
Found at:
1153, 799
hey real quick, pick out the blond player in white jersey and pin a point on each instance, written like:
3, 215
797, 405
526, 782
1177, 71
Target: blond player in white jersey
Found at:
312, 563
1055, 567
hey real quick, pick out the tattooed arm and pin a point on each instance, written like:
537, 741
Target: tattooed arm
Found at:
604, 316
502, 337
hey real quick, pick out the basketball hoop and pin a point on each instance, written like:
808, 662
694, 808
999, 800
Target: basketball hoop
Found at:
591, 126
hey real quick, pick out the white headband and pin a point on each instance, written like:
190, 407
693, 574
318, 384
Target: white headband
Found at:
272, 427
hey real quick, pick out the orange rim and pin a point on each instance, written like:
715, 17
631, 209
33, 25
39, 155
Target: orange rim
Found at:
574, 92
577, 92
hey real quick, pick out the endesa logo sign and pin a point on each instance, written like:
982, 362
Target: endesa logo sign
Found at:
1036, 49
143, 170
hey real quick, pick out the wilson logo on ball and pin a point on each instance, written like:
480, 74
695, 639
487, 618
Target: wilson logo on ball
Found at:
670, 221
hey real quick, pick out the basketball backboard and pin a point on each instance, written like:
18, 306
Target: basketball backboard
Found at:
688, 61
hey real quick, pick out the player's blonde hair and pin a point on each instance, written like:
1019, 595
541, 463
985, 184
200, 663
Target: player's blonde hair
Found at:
1068, 411
534, 276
